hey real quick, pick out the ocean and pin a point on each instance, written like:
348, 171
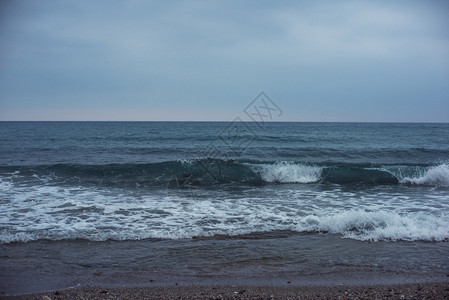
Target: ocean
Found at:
141, 203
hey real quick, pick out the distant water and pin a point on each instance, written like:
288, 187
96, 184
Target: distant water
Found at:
179, 181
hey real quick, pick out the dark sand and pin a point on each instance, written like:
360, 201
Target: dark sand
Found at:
405, 291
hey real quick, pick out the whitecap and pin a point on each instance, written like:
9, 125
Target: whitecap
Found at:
288, 172
436, 176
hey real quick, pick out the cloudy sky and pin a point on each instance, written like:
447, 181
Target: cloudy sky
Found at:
207, 60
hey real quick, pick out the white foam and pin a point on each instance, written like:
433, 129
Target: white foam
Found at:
436, 176
5, 185
7, 237
58, 212
288, 172
381, 225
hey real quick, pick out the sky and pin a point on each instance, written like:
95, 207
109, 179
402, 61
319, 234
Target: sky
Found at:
374, 61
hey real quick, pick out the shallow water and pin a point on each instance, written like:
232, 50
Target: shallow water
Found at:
274, 258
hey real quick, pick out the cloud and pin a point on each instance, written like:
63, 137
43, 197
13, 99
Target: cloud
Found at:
213, 55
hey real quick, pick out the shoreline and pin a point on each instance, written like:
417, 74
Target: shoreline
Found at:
195, 268
439, 290
36, 284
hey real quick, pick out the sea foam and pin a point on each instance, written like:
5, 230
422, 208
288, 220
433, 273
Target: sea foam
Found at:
57, 213
45, 210
288, 172
381, 225
436, 176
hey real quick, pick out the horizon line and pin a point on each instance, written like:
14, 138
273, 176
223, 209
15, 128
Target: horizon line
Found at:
226, 121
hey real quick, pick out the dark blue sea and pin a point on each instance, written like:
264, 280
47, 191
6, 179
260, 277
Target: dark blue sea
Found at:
139, 203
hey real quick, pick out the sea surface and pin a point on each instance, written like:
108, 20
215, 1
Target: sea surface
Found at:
134, 203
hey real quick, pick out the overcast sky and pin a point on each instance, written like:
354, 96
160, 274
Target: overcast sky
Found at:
207, 60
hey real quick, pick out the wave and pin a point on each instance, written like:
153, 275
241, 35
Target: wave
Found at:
211, 172
284, 172
352, 224
383, 225
434, 176
48, 202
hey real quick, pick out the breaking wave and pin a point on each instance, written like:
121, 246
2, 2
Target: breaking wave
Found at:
284, 172
434, 176
228, 221
74, 201
209, 172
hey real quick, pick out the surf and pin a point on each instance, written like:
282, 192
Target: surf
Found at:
215, 172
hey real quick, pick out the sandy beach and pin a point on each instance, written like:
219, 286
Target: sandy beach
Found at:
408, 291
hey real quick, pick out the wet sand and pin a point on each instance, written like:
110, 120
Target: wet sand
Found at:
405, 291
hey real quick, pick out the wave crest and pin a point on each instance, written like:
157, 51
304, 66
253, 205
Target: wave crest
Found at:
286, 172
382, 225
435, 176
353, 224
210, 172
